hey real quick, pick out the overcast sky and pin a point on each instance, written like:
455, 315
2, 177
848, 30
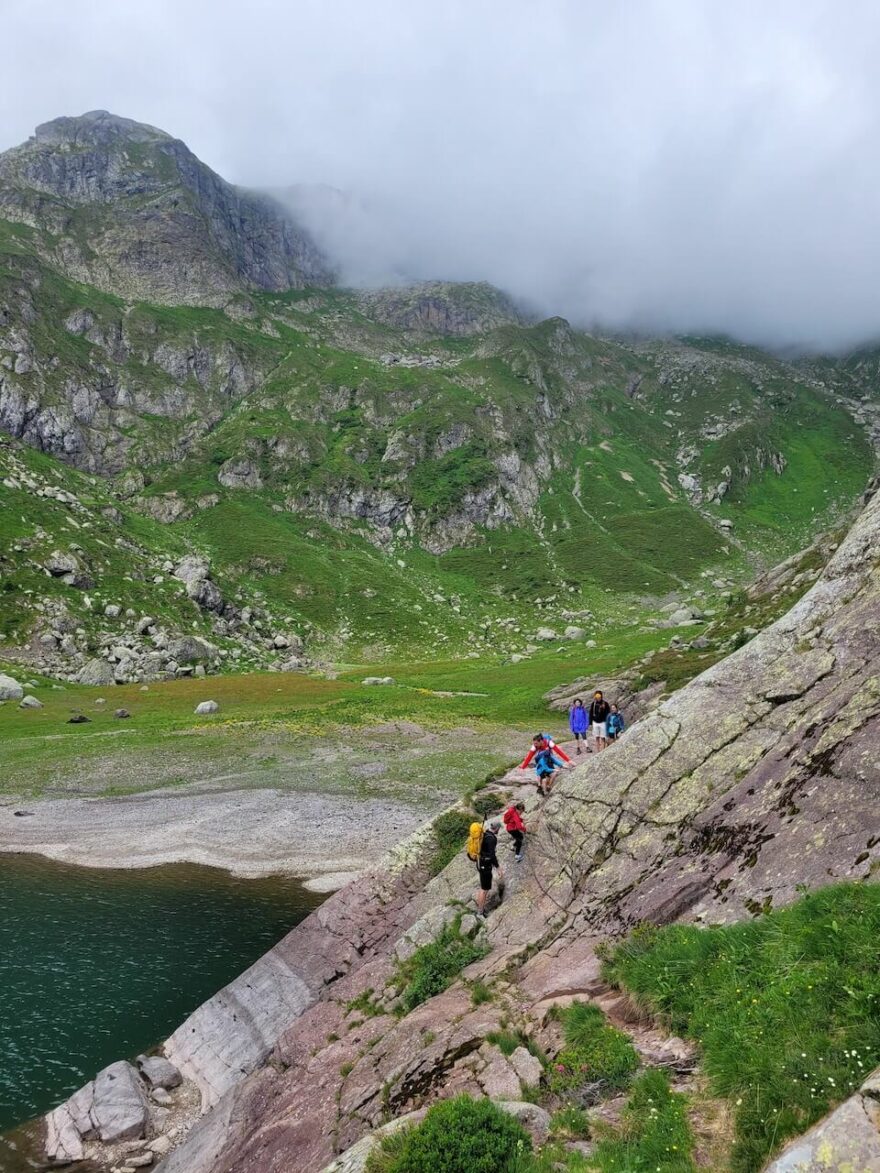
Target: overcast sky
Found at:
658, 164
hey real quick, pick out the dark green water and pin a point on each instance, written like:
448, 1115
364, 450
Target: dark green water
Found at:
99, 965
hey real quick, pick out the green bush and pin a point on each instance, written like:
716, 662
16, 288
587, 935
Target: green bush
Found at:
433, 967
450, 836
456, 1136
786, 1007
594, 1051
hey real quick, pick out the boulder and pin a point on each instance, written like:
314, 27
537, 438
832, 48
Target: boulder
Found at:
10, 690
122, 714
498, 1079
112, 610
30, 702
527, 1067
97, 672
378, 680
144, 624
546, 634
119, 1108
191, 568
159, 1071
189, 649
574, 632
61, 562
205, 707
78, 719
535, 1120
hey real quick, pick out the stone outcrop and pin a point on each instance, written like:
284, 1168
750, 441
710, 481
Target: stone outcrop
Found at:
846, 1141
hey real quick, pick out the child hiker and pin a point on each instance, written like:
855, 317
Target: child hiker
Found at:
516, 828
547, 766
615, 723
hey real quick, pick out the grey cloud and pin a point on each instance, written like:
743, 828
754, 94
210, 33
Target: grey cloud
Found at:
661, 164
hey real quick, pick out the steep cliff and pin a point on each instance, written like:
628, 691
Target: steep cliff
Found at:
756, 781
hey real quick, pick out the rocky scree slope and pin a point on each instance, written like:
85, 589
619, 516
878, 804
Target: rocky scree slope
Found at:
758, 778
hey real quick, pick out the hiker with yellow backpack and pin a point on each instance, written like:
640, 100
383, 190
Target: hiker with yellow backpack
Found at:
482, 849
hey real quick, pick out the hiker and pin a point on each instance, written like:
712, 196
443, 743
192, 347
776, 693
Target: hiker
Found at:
599, 710
547, 767
615, 724
515, 827
579, 723
543, 741
487, 862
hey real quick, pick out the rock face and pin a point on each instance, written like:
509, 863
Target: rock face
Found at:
141, 187
756, 778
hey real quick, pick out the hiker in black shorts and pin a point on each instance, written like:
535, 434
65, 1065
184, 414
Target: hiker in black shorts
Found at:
599, 711
487, 863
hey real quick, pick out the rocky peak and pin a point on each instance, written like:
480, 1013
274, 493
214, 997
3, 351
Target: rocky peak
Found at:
139, 215
97, 127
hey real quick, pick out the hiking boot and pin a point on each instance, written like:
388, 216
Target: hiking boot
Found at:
518, 858
578, 748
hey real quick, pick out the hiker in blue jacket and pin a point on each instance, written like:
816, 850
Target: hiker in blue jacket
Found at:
547, 766
615, 724
579, 723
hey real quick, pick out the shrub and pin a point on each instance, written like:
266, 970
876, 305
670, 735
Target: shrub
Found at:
433, 967
594, 1052
456, 1136
450, 836
366, 1003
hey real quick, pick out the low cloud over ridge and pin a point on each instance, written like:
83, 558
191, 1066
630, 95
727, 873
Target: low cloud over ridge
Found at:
662, 165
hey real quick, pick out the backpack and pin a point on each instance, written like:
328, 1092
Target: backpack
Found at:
475, 841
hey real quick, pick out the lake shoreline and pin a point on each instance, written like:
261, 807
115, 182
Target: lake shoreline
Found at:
323, 840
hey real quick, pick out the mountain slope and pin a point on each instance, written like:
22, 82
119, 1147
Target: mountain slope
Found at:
385, 472
129, 209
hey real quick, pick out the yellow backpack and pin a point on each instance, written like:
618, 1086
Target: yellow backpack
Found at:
475, 841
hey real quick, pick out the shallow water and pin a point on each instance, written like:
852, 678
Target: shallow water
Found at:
99, 965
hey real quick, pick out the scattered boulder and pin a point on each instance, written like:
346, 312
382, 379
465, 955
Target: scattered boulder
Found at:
10, 690
60, 563
144, 624
378, 680
97, 672
574, 633
546, 634
78, 719
158, 1071
112, 610
30, 702
190, 649
122, 714
205, 707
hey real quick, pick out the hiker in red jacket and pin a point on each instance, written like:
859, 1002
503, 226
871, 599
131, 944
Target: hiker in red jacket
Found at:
544, 741
516, 828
